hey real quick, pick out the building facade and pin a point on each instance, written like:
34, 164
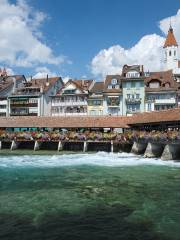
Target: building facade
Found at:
71, 99
113, 103
171, 61
32, 98
8, 84
161, 91
133, 89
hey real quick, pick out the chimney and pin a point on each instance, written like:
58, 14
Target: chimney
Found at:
47, 80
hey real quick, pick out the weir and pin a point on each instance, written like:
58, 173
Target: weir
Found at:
171, 152
139, 147
14, 145
158, 149
154, 150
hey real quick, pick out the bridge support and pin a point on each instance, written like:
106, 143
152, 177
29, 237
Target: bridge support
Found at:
154, 150
112, 146
60, 146
85, 146
171, 152
14, 145
139, 147
37, 146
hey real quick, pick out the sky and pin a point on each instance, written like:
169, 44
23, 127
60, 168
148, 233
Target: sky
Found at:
84, 38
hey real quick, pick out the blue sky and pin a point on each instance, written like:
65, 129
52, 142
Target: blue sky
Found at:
77, 30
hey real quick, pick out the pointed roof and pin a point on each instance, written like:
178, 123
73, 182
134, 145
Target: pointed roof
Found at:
170, 39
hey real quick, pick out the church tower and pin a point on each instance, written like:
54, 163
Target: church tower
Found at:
170, 52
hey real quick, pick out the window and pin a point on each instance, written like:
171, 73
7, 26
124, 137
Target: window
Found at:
149, 107
167, 85
128, 96
109, 86
133, 107
128, 85
154, 84
114, 81
169, 53
113, 101
138, 84
92, 112
95, 102
132, 75
117, 86
133, 84
174, 53
137, 96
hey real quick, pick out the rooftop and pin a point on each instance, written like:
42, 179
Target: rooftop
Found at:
170, 39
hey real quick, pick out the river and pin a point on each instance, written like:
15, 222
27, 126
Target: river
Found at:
88, 196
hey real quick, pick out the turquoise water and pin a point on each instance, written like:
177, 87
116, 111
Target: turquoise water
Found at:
88, 196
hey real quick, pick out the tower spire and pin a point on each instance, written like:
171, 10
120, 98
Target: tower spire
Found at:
170, 39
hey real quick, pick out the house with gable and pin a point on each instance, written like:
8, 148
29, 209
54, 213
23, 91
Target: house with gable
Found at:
71, 99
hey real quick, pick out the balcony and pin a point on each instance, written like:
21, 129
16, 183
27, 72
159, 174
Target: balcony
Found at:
132, 111
16, 104
23, 114
69, 103
69, 114
165, 101
133, 100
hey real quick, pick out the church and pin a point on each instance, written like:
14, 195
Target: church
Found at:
171, 61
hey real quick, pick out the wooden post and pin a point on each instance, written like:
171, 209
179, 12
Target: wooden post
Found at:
14, 145
37, 146
112, 146
85, 147
60, 146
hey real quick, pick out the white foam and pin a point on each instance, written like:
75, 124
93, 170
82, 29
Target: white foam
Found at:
98, 159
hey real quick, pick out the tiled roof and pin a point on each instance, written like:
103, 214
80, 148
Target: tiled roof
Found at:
170, 39
5, 84
7, 81
163, 78
107, 82
44, 83
98, 87
65, 122
83, 85
171, 115
137, 68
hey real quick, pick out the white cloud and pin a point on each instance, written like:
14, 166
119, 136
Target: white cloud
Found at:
20, 42
148, 51
66, 79
175, 22
42, 72
9, 71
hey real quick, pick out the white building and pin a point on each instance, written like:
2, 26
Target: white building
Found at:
171, 61
8, 84
71, 99
32, 98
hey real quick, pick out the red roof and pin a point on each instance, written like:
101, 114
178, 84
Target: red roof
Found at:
66, 122
172, 115
170, 39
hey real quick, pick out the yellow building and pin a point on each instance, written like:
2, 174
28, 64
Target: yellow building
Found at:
95, 100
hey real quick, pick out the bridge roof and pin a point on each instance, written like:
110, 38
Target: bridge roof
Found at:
66, 122
158, 117
171, 115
